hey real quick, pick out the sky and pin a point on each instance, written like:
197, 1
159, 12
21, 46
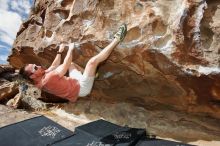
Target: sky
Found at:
12, 14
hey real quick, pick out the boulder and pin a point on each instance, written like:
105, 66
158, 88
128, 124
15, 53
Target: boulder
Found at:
8, 86
170, 54
168, 60
8, 90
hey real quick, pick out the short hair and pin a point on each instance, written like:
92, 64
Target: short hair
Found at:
24, 74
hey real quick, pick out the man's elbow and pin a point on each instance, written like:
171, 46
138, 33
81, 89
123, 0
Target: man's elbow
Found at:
62, 70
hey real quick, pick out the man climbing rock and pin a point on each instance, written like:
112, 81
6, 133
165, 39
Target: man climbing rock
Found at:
53, 79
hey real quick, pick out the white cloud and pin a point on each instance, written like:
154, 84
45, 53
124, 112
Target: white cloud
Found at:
1, 46
10, 20
15, 6
22, 6
27, 5
6, 39
3, 4
3, 57
9, 25
11, 14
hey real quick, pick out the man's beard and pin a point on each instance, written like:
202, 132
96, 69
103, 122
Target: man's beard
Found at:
39, 73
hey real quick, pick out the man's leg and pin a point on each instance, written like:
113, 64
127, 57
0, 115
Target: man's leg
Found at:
91, 66
87, 80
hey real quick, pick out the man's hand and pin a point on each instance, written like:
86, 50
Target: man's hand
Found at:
61, 48
71, 46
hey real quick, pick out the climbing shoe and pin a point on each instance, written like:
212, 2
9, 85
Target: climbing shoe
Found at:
120, 35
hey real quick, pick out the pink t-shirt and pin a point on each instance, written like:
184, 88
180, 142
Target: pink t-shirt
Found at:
64, 87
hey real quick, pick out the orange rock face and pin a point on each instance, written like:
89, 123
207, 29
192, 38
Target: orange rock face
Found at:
170, 56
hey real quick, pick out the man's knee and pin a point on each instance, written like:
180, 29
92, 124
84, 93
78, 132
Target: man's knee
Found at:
93, 62
72, 66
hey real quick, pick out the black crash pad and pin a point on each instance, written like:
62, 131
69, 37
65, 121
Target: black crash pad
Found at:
41, 131
38, 131
159, 142
101, 132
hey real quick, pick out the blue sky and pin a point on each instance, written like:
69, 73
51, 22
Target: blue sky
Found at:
12, 14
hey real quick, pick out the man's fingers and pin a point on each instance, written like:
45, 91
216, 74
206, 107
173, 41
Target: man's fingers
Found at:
62, 45
71, 45
61, 48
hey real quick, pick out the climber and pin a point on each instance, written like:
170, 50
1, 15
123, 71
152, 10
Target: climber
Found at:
53, 79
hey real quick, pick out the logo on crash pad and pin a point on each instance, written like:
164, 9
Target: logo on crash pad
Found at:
49, 131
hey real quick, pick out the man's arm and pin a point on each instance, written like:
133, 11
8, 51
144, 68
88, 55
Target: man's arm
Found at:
63, 68
57, 59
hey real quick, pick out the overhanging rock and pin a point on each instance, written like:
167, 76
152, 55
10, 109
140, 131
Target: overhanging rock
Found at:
169, 58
